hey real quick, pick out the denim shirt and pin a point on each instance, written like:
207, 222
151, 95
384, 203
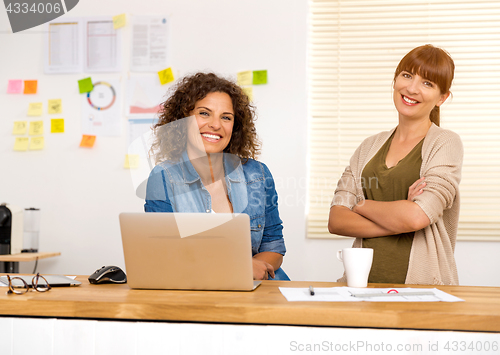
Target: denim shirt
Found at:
177, 187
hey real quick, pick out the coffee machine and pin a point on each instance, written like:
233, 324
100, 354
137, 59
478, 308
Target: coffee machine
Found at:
11, 234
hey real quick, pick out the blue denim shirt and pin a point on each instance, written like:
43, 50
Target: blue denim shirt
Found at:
177, 187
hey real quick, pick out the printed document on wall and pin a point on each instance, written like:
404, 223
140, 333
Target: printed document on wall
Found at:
140, 138
101, 111
103, 45
149, 43
63, 46
145, 95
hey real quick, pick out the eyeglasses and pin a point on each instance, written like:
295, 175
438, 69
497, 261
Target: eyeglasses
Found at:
19, 286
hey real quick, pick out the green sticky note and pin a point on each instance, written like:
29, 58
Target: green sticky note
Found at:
259, 77
85, 85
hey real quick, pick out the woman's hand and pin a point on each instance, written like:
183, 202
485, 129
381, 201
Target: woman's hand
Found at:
262, 269
416, 189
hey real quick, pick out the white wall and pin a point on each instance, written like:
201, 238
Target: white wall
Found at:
82, 191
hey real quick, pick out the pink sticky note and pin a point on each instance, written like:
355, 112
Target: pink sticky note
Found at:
15, 87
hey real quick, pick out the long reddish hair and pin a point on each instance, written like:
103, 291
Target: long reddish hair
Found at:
432, 63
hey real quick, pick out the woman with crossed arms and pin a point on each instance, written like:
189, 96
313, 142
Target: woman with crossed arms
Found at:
399, 195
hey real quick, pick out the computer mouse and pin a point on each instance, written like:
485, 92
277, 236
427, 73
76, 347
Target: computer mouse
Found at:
107, 275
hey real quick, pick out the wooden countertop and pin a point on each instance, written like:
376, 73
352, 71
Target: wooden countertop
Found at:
265, 305
27, 256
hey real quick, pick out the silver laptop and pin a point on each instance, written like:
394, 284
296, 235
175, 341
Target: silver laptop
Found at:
188, 251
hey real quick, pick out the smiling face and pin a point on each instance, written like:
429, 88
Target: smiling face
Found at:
215, 120
415, 96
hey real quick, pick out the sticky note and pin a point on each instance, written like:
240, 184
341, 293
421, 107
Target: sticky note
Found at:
37, 143
36, 128
166, 76
15, 87
131, 161
57, 125
21, 144
20, 127
249, 91
259, 77
30, 86
244, 78
87, 141
119, 21
85, 85
35, 109
55, 106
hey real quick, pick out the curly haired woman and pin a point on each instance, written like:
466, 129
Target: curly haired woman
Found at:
205, 145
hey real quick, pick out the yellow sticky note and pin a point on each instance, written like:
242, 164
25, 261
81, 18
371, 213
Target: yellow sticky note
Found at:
249, 91
57, 125
21, 144
35, 109
245, 78
36, 128
37, 143
87, 141
20, 127
119, 21
166, 76
131, 161
55, 106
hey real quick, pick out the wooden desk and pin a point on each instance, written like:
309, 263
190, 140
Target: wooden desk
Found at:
27, 256
10, 262
265, 305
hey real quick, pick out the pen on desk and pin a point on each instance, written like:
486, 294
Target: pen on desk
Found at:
311, 290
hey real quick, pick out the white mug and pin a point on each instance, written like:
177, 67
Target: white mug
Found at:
357, 265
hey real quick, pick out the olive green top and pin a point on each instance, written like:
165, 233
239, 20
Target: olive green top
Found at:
432, 260
391, 254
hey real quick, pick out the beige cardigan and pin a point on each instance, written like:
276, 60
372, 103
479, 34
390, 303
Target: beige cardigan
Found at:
431, 258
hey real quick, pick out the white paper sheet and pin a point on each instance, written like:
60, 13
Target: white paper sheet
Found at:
345, 294
145, 94
149, 43
101, 111
63, 46
140, 137
6, 284
103, 45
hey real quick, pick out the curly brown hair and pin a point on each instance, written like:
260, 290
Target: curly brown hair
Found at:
169, 144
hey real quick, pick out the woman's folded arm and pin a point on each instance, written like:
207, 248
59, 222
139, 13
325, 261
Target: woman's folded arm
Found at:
343, 221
